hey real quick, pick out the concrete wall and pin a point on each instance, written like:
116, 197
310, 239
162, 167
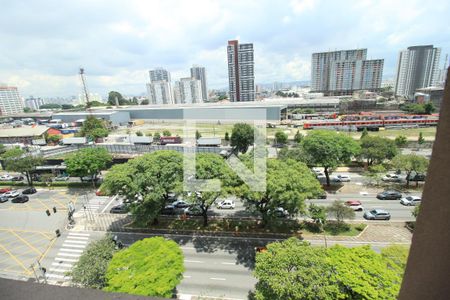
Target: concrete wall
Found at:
116, 117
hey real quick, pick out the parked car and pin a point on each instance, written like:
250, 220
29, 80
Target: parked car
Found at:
30, 190
20, 199
119, 209
280, 212
377, 214
416, 177
62, 178
6, 177
89, 178
411, 200
17, 178
180, 204
355, 205
4, 190
389, 195
193, 211
341, 178
322, 195
11, 194
3, 199
226, 204
391, 178
169, 210
99, 193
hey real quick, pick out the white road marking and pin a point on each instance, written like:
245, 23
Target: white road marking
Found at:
66, 259
62, 265
58, 276
79, 238
69, 254
68, 240
78, 234
228, 263
193, 261
59, 270
71, 250
109, 203
186, 276
75, 246
218, 278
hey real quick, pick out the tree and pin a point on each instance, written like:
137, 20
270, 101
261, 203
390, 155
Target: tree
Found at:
396, 257
67, 106
364, 133
197, 134
96, 103
50, 106
288, 184
2, 149
375, 172
90, 270
222, 97
340, 211
167, 133
88, 162
298, 137
18, 160
145, 102
212, 166
410, 163
318, 214
157, 136
292, 269
429, 108
139, 133
147, 180
401, 141
149, 267
328, 149
420, 139
94, 128
27, 110
227, 136
376, 149
54, 138
281, 137
415, 211
114, 97
242, 136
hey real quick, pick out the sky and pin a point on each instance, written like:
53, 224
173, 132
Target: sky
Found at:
43, 43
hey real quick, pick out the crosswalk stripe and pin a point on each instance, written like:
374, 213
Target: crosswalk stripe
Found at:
58, 276
69, 254
75, 246
75, 242
66, 259
62, 265
58, 270
79, 238
71, 250
78, 234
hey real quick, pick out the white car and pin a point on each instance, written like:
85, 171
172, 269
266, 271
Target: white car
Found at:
411, 200
6, 177
341, 178
391, 178
11, 194
226, 204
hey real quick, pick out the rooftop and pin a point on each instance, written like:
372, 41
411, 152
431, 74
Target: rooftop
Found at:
25, 131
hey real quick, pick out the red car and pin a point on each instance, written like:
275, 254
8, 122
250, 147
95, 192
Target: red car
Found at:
99, 193
4, 190
355, 205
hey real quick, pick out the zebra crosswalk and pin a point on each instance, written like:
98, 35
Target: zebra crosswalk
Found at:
95, 204
69, 253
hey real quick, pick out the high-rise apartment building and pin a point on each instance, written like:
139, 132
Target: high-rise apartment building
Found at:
417, 67
34, 103
241, 74
159, 92
159, 74
188, 90
343, 72
10, 100
199, 73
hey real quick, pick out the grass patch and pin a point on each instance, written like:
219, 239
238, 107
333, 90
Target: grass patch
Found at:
282, 226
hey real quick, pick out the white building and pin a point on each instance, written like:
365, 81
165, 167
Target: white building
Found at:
188, 91
34, 103
159, 92
241, 73
199, 73
417, 67
159, 74
10, 101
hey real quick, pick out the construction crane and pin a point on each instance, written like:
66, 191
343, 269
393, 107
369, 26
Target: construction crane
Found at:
83, 82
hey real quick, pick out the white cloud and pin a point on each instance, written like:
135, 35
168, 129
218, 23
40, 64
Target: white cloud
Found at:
300, 6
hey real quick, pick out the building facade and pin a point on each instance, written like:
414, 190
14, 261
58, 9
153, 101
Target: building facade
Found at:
159, 74
188, 91
199, 73
417, 67
241, 75
159, 92
10, 101
34, 103
343, 72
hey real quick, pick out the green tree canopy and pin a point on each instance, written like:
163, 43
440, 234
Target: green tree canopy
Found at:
149, 267
27, 110
375, 149
420, 139
198, 134
167, 133
88, 162
242, 136
227, 136
145, 102
364, 133
18, 160
148, 179
340, 211
396, 257
401, 141
113, 95
328, 149
94, 128
288, 184
410, 163
298, 137
50, 106
317, 213
90, 270
281, 137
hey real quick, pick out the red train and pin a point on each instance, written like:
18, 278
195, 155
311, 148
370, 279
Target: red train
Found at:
375, 121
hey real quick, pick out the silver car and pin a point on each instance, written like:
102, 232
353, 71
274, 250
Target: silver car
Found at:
377, 214
411, 201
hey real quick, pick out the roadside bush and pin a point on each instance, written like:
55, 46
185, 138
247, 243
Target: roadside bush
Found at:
360, 227
334, 227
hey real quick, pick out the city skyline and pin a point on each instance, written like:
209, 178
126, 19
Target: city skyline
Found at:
117, 44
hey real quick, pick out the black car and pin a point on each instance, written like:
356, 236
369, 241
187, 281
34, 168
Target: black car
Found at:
20, 199
17, 178
390, 195
3, 199
28, 191
119, 209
